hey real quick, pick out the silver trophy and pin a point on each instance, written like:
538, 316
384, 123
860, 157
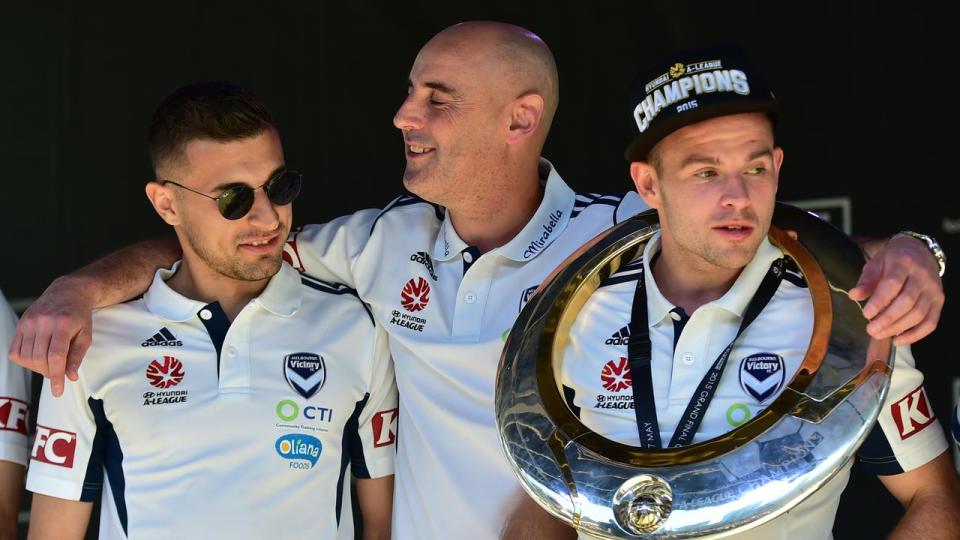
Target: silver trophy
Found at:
736, 481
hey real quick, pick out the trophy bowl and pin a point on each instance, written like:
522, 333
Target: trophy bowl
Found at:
607, 489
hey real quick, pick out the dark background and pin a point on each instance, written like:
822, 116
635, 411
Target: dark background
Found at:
867, 96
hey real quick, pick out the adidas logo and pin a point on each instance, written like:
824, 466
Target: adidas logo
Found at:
620, 337
163, 338
423, 258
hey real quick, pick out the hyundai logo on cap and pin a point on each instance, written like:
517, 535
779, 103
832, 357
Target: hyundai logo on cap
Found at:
693, 86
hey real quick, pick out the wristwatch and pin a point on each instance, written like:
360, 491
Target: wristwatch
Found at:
932, 245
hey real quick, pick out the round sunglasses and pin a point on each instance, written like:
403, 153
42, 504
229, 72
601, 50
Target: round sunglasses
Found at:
235, 201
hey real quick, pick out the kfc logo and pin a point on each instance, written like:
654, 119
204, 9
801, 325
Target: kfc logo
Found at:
13, 415
166, 374
616, 375
912, 413
415, 295
54, 446
385, 427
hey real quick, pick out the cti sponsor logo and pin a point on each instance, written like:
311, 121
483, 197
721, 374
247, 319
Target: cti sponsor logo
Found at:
288, 411
538, 243
912, 413
415, 295
54, 446
13, 415
615, 375
302, 450
385, 427
423, 258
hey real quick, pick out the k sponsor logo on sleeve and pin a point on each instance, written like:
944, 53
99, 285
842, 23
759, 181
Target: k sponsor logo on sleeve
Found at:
912, 413
385, 427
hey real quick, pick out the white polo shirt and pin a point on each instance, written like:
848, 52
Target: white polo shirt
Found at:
212, 429
598, 384
448, 310
14, 394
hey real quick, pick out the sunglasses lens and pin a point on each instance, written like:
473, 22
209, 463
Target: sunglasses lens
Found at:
235, 202
283, 189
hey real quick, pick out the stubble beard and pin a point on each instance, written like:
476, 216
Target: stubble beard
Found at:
264, 267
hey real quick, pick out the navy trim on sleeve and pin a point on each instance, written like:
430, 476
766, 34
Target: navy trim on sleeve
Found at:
407, 200
584, 200
335, 288
106, 446
877, 456
351, 452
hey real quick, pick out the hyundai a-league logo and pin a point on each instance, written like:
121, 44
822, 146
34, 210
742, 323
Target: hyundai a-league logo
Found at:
165, 374
305, 372
415, 295
762, 375
616, 375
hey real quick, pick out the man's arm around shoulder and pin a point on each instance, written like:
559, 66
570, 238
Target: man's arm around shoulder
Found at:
55, 332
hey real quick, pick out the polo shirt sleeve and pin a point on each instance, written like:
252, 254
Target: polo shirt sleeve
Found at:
14, 394
373, 455
66, 460
907, 434
631, 205
329, 251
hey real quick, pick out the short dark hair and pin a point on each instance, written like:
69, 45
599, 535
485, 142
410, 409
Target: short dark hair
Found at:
217, 110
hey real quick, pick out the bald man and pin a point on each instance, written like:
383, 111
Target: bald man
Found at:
447, 269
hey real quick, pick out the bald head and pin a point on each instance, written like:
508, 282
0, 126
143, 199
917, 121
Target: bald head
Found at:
513, 59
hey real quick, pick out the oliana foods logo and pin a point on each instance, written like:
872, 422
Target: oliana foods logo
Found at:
303, 451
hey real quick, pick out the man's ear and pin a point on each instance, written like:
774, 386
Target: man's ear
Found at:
526, 113
645, 180
162, 198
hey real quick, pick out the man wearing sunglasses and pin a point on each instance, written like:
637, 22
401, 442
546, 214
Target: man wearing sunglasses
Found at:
229, 400
448, 277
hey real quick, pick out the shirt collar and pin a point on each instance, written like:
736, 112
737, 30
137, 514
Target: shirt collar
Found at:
735, 300
282, 296
544, 227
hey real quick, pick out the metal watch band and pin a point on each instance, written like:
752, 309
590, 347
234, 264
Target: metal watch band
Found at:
932, 245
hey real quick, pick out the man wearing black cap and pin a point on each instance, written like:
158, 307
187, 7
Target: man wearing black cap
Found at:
704, 157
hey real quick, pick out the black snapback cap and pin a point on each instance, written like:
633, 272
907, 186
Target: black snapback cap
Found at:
692, 86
